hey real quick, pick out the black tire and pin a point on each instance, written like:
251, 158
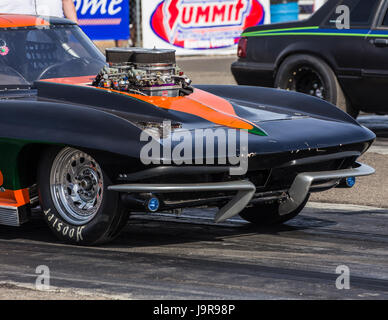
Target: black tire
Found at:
311, 75
104, 225
268, 214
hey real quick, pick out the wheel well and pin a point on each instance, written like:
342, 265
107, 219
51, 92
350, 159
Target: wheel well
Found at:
28, 161
293, 53
30, 155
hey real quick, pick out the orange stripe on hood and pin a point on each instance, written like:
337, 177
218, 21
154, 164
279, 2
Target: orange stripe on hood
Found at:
200, 103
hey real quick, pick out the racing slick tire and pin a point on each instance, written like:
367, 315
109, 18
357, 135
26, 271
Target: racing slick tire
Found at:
268, 214
311, 75
75, 201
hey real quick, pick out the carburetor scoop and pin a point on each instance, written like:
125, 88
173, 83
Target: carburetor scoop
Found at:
149, 72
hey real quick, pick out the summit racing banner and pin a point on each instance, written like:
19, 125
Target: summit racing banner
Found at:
104, 19
200, 26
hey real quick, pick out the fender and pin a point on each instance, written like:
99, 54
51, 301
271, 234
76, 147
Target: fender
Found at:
300, 47
292, 101
29, 123
57, 123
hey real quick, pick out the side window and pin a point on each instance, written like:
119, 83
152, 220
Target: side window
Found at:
385, 21
361, 13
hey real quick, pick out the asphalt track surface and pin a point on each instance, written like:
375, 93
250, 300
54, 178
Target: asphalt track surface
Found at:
189, 257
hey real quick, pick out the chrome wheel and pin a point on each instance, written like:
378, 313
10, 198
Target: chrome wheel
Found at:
76, 186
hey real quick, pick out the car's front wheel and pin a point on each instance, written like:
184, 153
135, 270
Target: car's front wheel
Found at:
75, 200
268, 214
313, 76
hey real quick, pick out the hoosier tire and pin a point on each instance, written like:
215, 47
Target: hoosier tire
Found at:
76, 203
311, 75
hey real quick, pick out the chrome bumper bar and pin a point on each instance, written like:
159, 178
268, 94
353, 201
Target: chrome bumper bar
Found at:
303, 181
246, 190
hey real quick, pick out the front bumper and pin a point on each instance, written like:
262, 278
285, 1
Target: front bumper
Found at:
303, 181
246, 190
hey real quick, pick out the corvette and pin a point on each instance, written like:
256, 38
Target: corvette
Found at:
90, 138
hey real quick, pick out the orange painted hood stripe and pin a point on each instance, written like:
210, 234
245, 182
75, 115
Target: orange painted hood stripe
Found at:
21, 20
79, 81
212, 100
200, 103
220, 111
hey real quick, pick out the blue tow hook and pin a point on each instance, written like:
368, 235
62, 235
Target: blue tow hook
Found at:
153, 204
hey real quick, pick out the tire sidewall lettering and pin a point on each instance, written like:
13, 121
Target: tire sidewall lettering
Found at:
103, 227
74, 233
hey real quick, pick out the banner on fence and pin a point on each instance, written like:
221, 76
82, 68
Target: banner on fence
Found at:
104, 19
198, 26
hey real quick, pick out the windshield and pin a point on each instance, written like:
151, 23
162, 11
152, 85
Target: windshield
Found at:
29, 54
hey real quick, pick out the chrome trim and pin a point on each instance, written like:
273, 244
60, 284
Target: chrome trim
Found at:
298, 192
13, 216
303, 181
326, 185
245, 191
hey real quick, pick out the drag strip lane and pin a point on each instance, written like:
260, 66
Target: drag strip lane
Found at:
190, 257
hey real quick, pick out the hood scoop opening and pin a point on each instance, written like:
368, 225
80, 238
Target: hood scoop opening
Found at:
147, 72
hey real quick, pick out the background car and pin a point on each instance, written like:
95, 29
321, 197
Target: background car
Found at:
347, 67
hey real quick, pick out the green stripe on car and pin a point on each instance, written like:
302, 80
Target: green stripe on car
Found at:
313, 31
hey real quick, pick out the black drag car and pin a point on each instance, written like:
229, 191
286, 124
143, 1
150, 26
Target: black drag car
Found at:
324, 56
90, 142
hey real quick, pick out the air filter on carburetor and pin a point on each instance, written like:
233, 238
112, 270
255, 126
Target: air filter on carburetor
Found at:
140, 56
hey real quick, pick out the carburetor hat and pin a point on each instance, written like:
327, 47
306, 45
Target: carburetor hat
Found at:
140, 55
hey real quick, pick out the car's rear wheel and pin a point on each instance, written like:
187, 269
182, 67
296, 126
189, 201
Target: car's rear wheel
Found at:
75, 200
268, 214
313, 76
